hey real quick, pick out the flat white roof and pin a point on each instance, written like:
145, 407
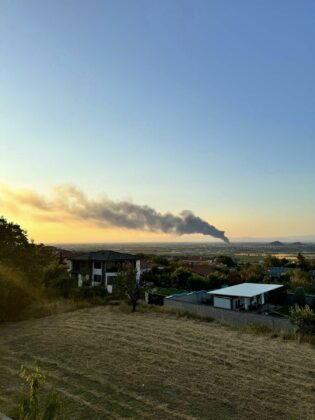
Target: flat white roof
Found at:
245, 289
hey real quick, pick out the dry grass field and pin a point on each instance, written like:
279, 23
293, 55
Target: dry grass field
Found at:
106, 363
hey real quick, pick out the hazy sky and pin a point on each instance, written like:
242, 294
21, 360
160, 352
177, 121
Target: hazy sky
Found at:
199, 105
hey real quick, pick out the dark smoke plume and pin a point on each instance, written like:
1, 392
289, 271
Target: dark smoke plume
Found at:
68, 202
132, 216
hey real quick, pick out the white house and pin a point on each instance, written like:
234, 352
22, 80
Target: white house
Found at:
242, 296
100, 268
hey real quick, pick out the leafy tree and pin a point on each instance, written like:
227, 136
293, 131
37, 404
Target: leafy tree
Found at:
14, 244
196, 282
214, 280
272, 261
301, 278
303, 263
57, 278
252, 273
299, 296
304, 319
127, 285
15, 294
180, 277
226, 260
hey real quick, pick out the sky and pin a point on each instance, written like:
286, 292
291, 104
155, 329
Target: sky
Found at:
203, 105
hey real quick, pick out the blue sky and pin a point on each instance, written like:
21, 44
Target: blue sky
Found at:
205, 105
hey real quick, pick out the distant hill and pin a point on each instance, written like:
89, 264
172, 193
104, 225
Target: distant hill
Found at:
276, 243
297, 244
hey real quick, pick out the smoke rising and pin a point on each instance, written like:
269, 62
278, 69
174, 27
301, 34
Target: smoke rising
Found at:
68, 201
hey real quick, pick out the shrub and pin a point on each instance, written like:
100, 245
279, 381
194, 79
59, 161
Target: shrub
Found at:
15, 294
299, 296
32, 406
304, 319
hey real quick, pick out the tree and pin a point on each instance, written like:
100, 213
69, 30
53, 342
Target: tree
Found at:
304, 319
196, 282
127, 285
303, 263
14, 244
180, 277
301, 278
299, 296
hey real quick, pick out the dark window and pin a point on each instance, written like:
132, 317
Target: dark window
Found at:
97, 278
97, 264
110, 280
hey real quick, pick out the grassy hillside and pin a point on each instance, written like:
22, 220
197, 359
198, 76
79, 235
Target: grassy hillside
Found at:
110, 364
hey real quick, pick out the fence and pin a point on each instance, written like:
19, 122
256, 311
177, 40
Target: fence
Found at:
232, 317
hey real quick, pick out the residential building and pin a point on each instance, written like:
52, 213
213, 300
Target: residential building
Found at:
101, 267
245, 296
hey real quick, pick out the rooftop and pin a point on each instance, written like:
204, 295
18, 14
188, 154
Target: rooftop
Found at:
105, 255
246, 289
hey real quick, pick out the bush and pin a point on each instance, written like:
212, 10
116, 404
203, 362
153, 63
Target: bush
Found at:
89, 292
32, 406
304, 319
299, 296
15, 294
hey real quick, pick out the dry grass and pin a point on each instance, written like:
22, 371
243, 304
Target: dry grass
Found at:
111, 364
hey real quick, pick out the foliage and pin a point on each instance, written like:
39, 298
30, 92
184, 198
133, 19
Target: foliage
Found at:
301, 278
180, 277
226, 260
272, 261
29, 273
57, 278
196, 282
299, 296
304, 319
31, 406
127, 285
303, 263
15, 294
252, 273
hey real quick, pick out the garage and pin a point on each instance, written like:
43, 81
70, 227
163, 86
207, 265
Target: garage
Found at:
222, 302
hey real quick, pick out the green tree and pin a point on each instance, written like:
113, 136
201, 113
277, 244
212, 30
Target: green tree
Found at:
301, 278
179, 277
303, 263
14, 244
127, 285
304, 319
299, 296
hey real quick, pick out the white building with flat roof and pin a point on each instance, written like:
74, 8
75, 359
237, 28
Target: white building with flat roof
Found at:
242, 296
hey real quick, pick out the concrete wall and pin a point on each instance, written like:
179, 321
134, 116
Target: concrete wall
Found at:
226, 315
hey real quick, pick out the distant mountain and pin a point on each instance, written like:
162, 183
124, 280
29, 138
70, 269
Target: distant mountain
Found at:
297, 244
276, 243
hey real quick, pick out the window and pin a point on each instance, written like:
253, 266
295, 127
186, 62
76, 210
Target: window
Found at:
97, 278
110, 280
97, 264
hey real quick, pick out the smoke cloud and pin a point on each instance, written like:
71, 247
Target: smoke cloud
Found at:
67, 201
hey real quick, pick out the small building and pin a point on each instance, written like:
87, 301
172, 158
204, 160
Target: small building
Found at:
244, 296
278, 272
101, 267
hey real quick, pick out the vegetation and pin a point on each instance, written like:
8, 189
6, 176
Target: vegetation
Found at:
30, 274
126, 285
304, 319
32, 405
111, 364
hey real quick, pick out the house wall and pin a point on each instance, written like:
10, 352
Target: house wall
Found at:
232, 317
